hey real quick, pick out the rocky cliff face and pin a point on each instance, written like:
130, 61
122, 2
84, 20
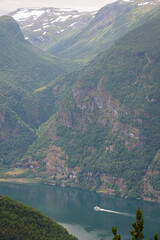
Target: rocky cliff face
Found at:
108, 126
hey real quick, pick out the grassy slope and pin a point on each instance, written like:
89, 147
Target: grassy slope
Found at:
18, 221
109, 24
109, 124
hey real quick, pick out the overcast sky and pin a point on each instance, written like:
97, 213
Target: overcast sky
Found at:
7, 6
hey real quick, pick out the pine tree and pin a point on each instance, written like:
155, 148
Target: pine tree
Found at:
138, 226
155, 237
116, 236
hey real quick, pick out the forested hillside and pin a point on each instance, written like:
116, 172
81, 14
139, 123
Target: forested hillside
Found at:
94, 128
105, 135
20, 62
23, 68
18, 221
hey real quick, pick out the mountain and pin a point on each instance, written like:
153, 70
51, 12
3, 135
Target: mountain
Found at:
19, 221
23, 68
96, 127
109, 23
43, 27
105, 134
79, 36
20, 62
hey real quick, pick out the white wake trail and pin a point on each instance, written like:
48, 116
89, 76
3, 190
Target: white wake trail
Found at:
110, 211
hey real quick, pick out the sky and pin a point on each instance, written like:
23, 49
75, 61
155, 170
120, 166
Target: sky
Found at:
7, 6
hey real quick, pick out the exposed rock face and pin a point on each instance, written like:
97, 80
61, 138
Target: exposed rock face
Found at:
112, 185
105, 125
96, 104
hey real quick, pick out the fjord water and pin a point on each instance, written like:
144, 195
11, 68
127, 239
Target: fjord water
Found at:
74, 210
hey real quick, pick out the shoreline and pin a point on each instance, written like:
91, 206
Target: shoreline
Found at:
19, 180
38, 181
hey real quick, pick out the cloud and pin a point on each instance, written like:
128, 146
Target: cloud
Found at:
7, 6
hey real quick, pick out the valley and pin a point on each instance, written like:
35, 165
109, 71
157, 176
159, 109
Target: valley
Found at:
84, 113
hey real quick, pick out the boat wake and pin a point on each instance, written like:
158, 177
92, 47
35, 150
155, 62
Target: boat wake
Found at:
110, 211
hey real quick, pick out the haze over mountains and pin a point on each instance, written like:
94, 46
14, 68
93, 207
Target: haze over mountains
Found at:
97, 126
45, 26
81, 35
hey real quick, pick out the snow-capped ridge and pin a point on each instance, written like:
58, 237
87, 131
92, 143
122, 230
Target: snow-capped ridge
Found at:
40, 24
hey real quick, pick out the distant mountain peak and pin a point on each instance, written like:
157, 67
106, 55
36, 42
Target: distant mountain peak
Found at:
41, 25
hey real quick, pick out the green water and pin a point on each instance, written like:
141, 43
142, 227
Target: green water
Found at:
74, 210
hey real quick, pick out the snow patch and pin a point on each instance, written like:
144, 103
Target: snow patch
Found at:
26, 38
37, 30
73, 24
62, 18
22, 14
94, 13
46, 26
48, 11
60, 31
144, 3
76, 16
57, 14
29, 25
44, 33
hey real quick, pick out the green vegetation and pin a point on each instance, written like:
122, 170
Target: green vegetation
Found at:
100, 123
23, 68
18, 221
109, 123
15, 136
20, 63
110, 22
137, 233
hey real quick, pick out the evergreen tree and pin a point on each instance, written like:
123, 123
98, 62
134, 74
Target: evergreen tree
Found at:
116, 236
155, 237
138, 226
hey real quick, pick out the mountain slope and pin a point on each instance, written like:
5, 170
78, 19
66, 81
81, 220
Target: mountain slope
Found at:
43, 27
19, 221
110, 22
105, 135
20, 62
23, 68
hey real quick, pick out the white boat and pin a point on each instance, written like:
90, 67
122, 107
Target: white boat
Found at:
97, 208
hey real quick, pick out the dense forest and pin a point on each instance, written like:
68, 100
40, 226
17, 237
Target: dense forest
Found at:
21, 222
